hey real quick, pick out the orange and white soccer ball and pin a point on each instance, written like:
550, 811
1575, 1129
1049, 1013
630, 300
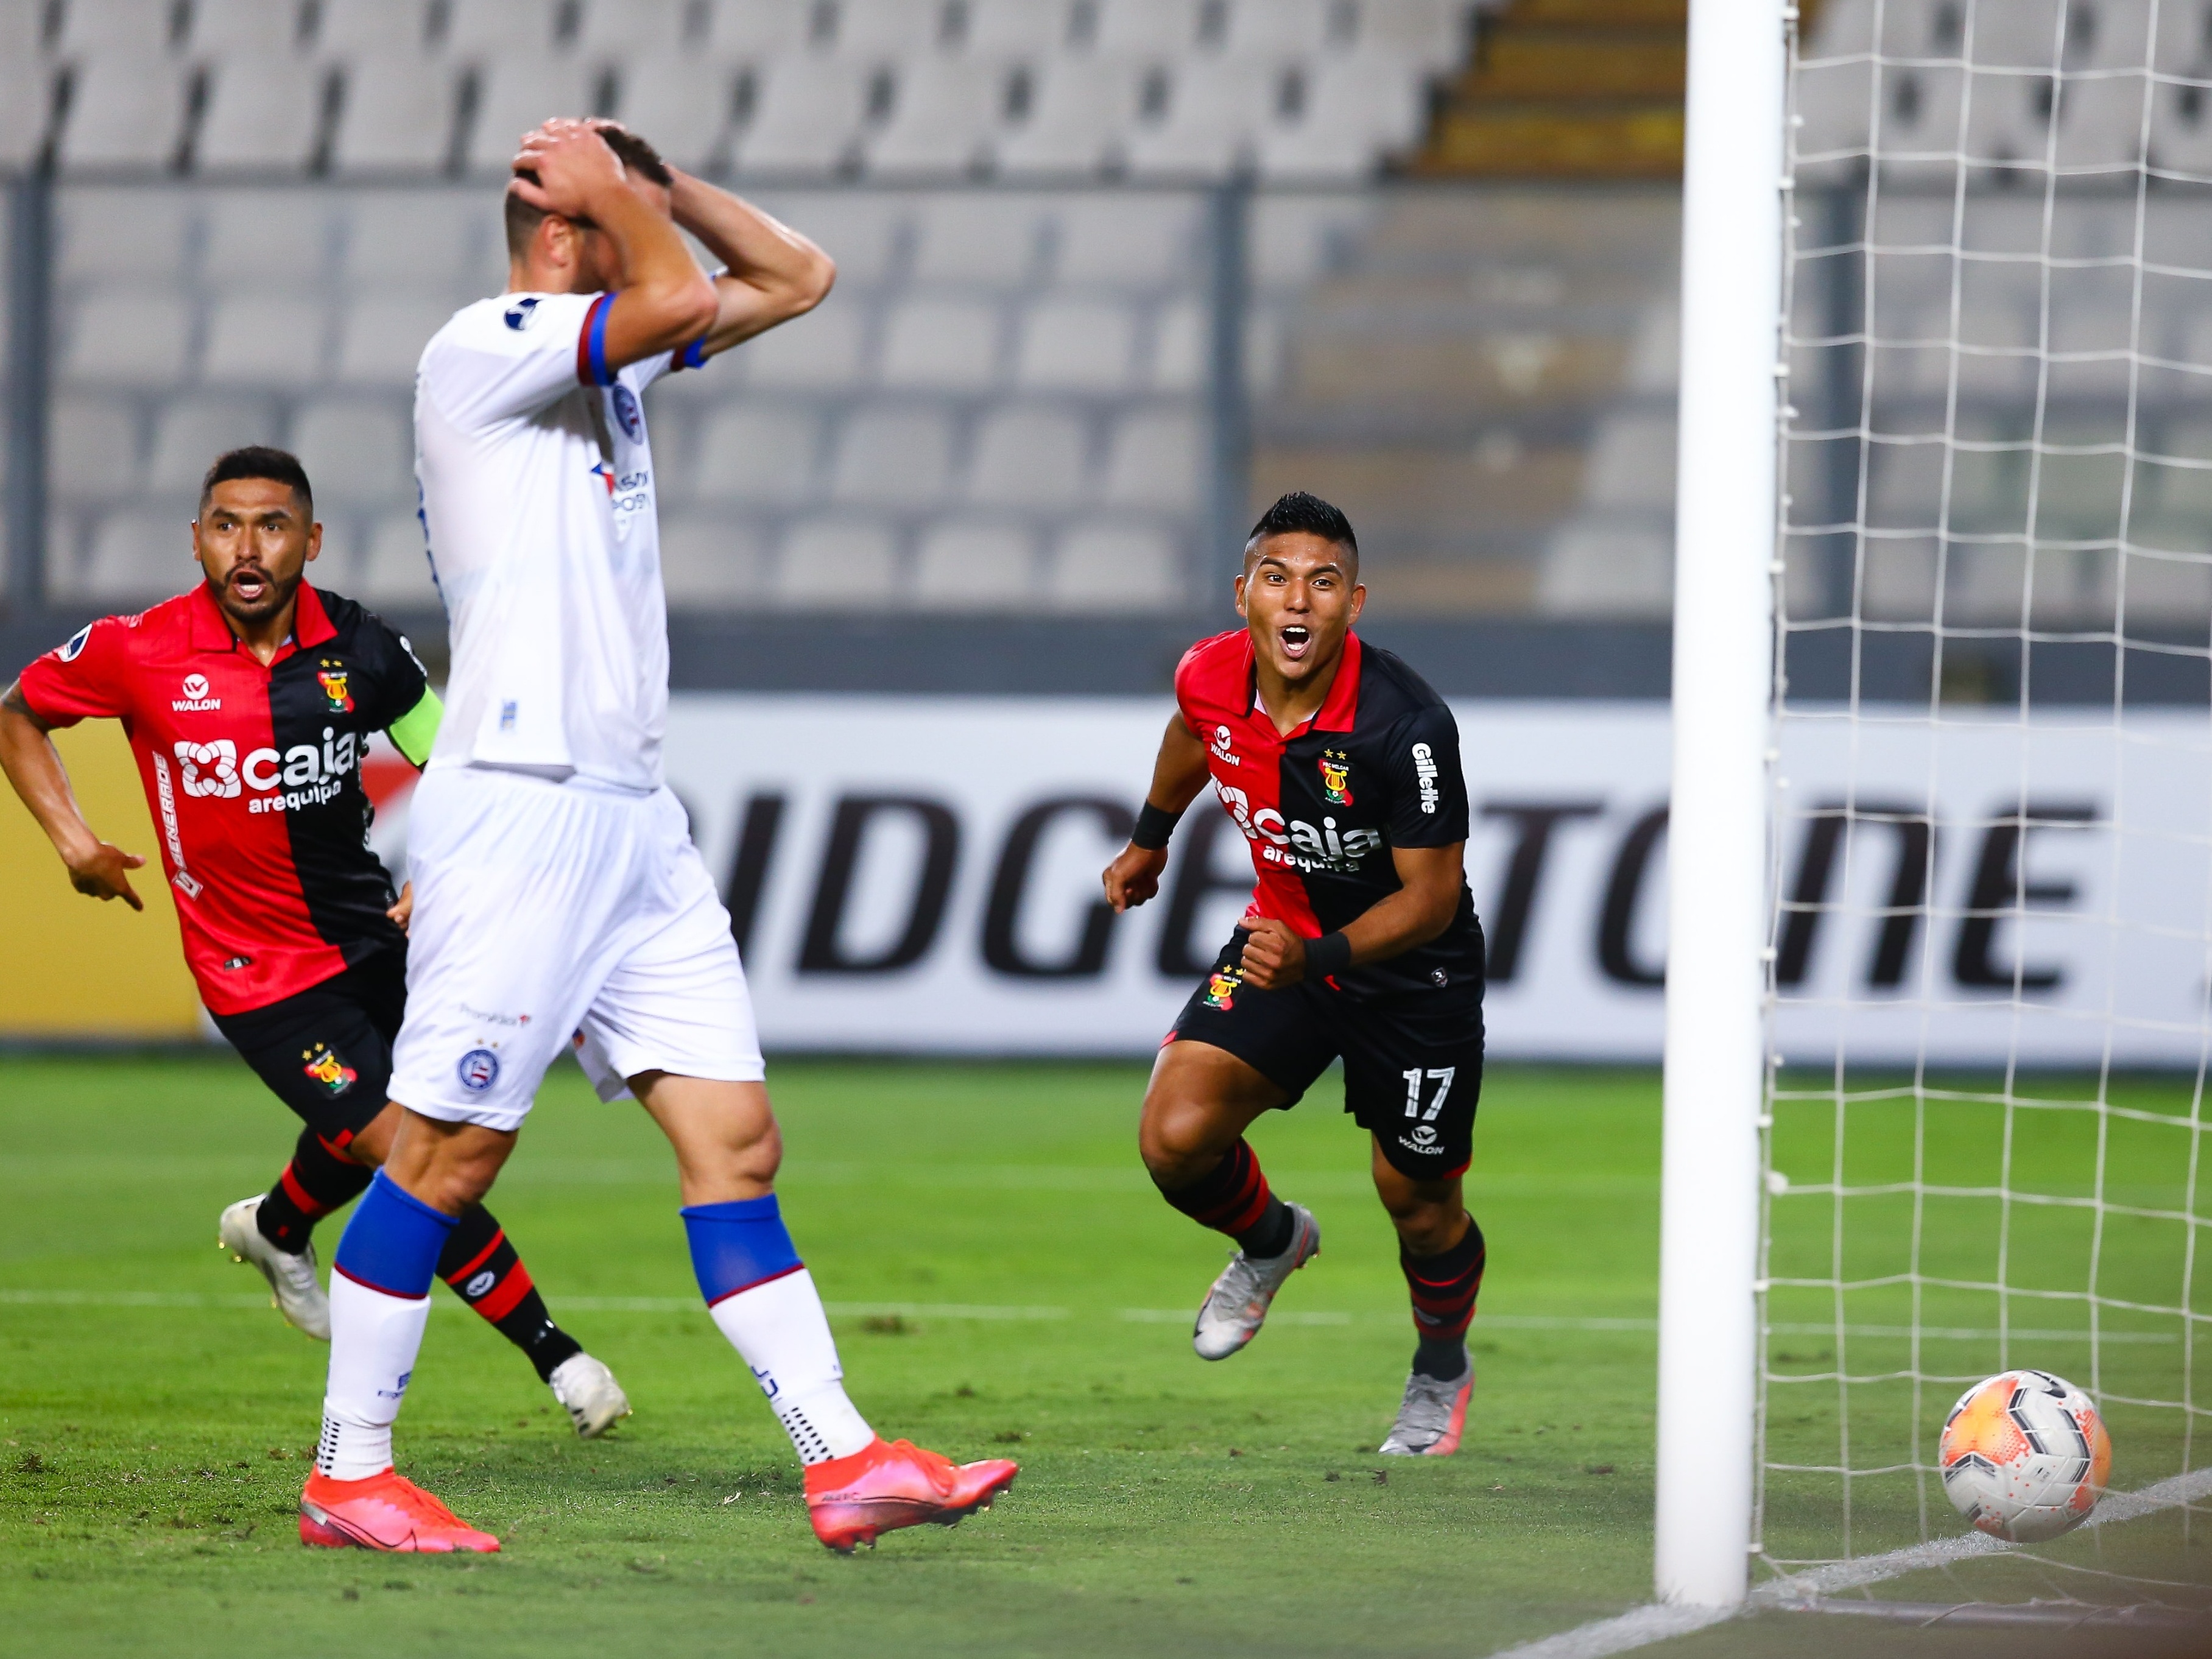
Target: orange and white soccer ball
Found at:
2025, 1456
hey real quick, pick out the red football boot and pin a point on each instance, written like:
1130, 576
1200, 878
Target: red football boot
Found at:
888, 1484
384, 1512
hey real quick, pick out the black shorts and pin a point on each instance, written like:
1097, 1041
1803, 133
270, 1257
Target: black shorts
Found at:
1412, 1064
326, 1051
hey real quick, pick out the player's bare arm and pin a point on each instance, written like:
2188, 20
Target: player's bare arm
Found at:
33, 764
1178, 774
608, 229
1418, 912
771, 273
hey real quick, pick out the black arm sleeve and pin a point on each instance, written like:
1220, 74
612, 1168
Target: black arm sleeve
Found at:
1428, 788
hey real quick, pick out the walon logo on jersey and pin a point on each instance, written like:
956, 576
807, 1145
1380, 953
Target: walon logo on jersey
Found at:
327, 1069
332, 679
196, 699
1221, 748
1336, 777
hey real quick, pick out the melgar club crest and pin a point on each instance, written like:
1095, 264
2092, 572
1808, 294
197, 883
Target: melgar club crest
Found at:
1336, 777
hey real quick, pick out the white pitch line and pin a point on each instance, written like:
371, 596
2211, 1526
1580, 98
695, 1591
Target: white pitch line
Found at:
1641, 1626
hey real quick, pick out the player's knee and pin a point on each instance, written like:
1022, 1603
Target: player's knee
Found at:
1428, 1223
1176, 1142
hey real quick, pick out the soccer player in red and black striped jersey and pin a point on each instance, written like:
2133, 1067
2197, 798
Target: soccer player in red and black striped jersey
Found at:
1342, 768
249, 704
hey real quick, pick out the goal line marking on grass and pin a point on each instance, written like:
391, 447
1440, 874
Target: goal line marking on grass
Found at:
1641, 1626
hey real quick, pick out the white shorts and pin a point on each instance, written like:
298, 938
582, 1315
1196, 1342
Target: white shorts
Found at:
551, 912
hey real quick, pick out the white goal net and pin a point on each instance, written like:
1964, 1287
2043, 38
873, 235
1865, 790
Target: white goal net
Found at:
1992, 943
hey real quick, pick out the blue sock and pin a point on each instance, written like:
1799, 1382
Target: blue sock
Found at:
392, 1242
737, 1246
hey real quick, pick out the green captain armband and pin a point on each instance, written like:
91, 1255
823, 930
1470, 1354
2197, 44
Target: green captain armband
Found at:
414, 732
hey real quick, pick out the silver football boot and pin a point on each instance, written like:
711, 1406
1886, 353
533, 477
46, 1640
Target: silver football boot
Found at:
1431, 1416
1237, 1306
293, 1290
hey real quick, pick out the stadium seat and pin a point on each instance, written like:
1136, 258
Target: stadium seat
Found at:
1031, 28
1180, 342
394, 570
681, 102
135, 28
2101, 122
1155, 459
492, 30
836, 563
1290, 28
516, 91
1113, 568
261, 340
948, 345
256, 28
1154, 29
91, 449
1076, 345
712, 562
381, 340
974, 566
752, 31
267, 239
1350, 108
127, 234
807, 116
980, 237
944, 116
756, 453
884, 28
1430, 34
139, 553
893, 457
1127, 241
1217, 111
356, 451
825, 352
634, 28
190, 431
348, 29
125, 111
1596, 571
126, 336
397, 117
1077, 109
862, 232
264, 113
1631, 464
446, 242
1028, 458
1833, 108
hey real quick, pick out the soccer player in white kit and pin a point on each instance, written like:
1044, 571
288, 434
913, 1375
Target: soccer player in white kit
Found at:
557, 890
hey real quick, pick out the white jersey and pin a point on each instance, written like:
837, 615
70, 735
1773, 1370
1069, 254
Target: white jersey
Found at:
538, 502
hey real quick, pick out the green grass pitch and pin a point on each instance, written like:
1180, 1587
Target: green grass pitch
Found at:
1003, 1281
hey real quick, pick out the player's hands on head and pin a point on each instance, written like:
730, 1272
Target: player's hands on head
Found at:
574, 167
1274, 955
98, 873
1134, 877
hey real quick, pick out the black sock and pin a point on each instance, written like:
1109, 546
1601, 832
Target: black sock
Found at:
1444, 1287
316, 1181
1271, 1234
1442, 1358
1233, 1198
485, 1273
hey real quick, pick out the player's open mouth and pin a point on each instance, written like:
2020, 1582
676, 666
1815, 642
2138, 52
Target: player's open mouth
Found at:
1296, 639
249, 584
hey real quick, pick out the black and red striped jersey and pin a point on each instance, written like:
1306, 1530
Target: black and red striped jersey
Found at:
253, 773
1377, 768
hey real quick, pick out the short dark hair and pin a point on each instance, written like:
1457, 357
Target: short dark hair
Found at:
260, 461
632, 151
1300, 514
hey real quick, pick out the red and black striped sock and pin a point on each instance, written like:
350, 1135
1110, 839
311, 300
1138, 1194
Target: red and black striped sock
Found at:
485, 1273
1444, 1287
1232, 1198
317, 1180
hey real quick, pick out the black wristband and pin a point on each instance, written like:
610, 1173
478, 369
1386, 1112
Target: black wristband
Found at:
1327, 956
1154, 827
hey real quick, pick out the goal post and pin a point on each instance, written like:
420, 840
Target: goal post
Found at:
1718, 862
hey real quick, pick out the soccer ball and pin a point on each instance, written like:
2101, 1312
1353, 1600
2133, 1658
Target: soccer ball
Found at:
2025, 1456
